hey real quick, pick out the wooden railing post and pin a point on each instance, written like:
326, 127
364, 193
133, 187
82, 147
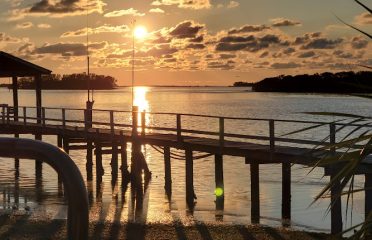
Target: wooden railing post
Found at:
143, 122
64, 118
336, 214
43, 116
222, 131
179, 128
112, 123
24, 116
8, 114
134, 120
3, 113
272, 136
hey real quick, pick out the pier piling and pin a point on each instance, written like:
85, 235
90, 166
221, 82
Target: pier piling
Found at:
190, 194
218, 174
255, 192
286, 191
167, 170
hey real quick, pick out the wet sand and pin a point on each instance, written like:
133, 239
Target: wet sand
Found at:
21, 227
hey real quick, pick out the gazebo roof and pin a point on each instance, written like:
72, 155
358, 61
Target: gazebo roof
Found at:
11, 66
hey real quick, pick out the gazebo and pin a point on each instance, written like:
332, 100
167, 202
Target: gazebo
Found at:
14, 67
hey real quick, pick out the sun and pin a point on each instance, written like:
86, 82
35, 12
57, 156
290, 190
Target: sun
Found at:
140, 32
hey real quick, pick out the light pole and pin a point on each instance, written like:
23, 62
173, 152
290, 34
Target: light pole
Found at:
133, 52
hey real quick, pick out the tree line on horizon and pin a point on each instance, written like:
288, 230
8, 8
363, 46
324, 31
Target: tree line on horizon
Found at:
75, 81
327, 82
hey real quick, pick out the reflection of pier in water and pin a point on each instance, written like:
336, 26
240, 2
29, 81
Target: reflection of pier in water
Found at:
88, 129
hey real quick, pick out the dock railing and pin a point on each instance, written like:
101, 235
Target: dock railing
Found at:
180, 125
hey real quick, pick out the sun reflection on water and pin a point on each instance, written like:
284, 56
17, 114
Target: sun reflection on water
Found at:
140, 98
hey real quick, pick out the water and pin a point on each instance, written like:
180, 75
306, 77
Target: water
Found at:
112, 203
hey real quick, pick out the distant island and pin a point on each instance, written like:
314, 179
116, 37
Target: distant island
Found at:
76, 81
242, 84
341, 82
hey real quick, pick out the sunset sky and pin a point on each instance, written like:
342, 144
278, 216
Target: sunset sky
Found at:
190, 42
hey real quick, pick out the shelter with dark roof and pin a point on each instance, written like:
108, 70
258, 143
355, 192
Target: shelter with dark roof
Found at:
14, 67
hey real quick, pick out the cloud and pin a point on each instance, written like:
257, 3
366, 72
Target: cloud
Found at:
342, 54
156, 10
192, 4
248, 43
359, 42
307, 54
248, 29
283, 22
68, 49
24, 25
4, 38
125, 12
195, 46
44, 26
285, 65
186, 29
233, 4
364, 19
97, 30
322, 43
58, 9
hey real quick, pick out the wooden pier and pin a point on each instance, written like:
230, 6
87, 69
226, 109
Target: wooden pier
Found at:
104, 132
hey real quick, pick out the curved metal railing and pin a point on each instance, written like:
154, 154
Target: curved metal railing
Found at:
78, 215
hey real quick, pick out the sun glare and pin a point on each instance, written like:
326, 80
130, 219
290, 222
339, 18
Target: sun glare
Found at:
140, 32
140, 98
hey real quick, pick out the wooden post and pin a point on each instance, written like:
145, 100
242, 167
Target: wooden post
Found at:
190, 195
124, 158
218, 175
143, 123
60, 145
66, 144
24, 116
286, 191
63, 118
167, 170
99, 167
112, 123
222, 131
255, 192
88, 124
179, 128
15, 97
272, 137
134, 121
368, 197
336, 214
43, 116
38, 136
114, 163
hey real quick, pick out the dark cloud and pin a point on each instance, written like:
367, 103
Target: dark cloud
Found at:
342, 54
359, 43
249, 43
197, 39
289, 50
282, 22
195, 46
62, 6
248, 29
68, 49
227, 56
307, 54
187, 29
322, 43
264, 54
220, 65
285, 65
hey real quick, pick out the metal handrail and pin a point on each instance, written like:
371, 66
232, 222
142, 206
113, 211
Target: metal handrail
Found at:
78, 215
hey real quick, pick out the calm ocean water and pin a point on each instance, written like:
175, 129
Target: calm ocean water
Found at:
114, 204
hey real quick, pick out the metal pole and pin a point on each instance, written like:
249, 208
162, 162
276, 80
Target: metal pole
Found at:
133, 25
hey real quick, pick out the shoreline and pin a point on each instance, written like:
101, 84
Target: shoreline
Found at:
20, 227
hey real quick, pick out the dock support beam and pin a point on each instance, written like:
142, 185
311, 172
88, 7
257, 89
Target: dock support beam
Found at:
286, 192
218, 174
99, 167
190, 195
255, 192
89, 164
114, 163
60, 145
167, 170
124, 159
